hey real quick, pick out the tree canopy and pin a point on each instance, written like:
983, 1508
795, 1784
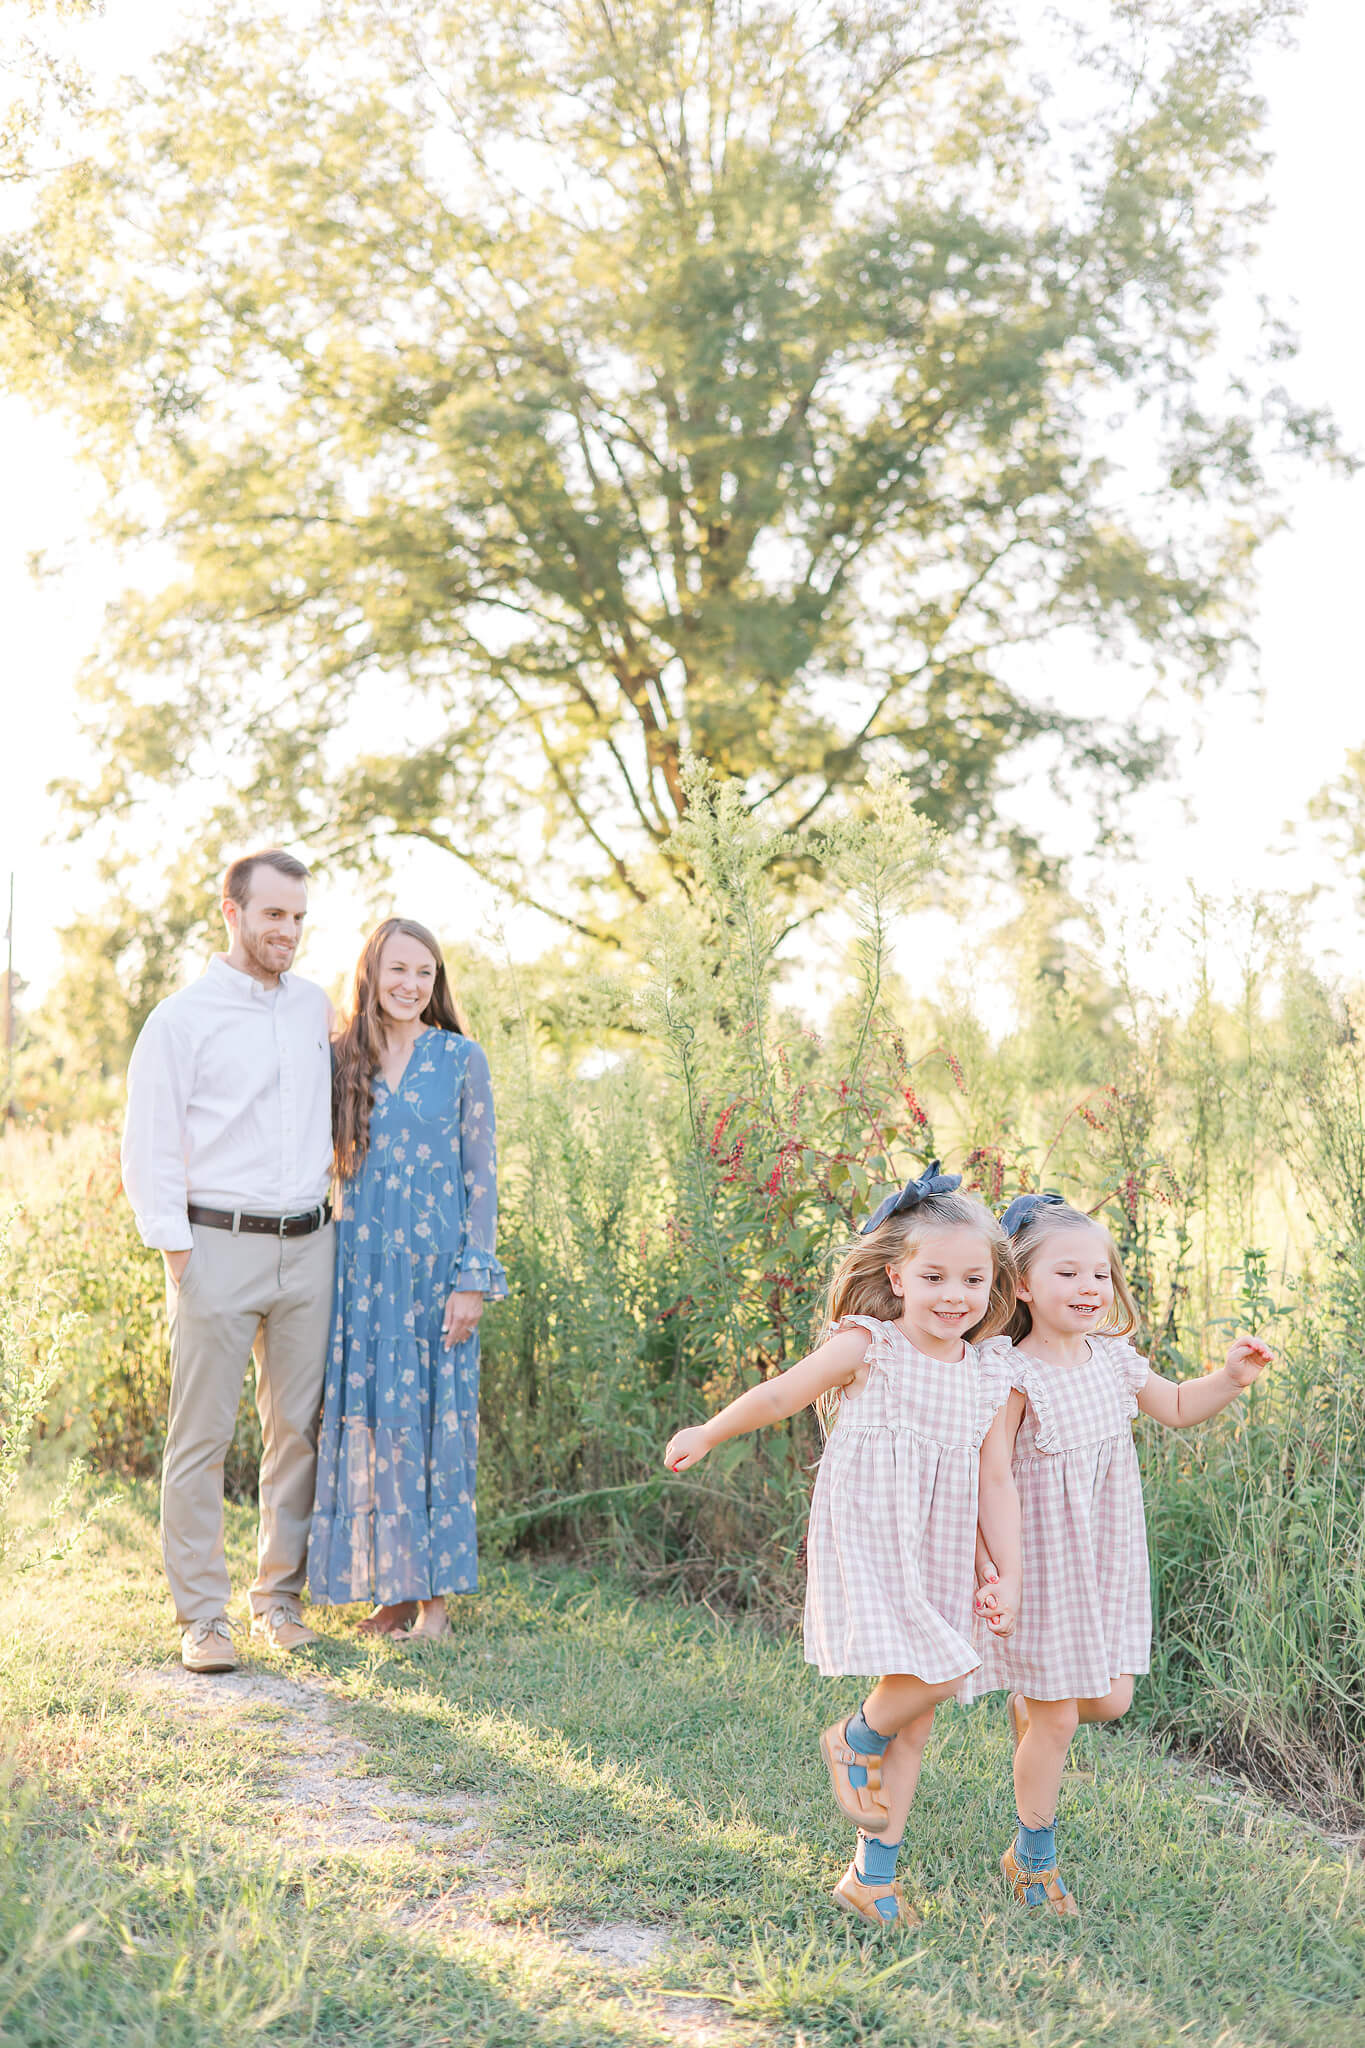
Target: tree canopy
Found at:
532, 395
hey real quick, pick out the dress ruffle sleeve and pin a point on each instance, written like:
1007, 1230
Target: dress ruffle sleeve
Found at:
995, 1379
479, 1270
1130, 1369
1034, 1383
879, 1345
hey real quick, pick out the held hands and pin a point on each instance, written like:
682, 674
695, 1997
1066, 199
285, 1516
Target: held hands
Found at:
1247, 1359
997, 1603
461, 1318
687, 1448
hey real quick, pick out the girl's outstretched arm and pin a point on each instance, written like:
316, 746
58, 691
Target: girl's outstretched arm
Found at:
1181, 1403
998, 1519
837, 1363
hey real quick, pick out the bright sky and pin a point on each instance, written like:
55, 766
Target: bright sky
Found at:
1247, 766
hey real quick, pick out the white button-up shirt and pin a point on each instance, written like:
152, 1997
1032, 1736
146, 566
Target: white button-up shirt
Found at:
229, 1103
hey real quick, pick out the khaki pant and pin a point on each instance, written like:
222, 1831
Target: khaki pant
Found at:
237, 1295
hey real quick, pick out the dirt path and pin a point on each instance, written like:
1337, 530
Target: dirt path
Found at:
328, 1800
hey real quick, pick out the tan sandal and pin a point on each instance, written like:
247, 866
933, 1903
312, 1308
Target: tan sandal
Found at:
862, 1804
1055, 1897
1018, 1713
856, 1897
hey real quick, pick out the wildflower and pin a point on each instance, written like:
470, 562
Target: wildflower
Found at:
735, 1161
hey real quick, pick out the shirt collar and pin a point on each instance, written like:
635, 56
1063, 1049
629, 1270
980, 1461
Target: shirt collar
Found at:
243, 987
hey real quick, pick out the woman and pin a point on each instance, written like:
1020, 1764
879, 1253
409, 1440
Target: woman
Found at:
416, 1216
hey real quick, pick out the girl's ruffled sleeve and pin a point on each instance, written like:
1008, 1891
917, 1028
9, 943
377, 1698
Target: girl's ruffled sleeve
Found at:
878, 1337
479, 1271
994, 1379
1131, 1371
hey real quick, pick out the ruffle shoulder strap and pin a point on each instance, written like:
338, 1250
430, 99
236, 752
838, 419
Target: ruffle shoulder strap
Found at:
880, 1337
1032, 1382
1130, 1370
994, 1380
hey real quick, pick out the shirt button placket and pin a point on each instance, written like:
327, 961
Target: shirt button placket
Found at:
288, 1146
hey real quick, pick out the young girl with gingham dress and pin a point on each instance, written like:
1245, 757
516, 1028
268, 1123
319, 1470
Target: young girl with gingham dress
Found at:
891, 1549
1061, 1509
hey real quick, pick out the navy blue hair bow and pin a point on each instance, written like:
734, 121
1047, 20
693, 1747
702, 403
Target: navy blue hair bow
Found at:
1023, 1206
930, 1182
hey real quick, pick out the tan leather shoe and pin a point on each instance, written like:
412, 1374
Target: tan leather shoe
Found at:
283, 1627
208, 1645
862, 1804
1021, 1882
856, 1897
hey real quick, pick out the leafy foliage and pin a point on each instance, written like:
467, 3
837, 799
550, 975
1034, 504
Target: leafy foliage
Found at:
93, 1337
528, 395
30, 1366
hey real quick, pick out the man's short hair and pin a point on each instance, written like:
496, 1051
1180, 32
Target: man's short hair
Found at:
237, 880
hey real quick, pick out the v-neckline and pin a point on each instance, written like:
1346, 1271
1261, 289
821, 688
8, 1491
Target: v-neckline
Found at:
392, 1087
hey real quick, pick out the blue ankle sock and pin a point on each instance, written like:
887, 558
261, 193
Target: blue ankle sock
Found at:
863, 1741
875, 1863
1036, 1849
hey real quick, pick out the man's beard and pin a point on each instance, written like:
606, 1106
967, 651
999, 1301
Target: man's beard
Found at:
260, 957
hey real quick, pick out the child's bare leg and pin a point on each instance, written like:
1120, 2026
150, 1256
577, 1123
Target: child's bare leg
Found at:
895, 1701
1111, 1706
1038, 1765
1041, 1758
900, 1773
872, 1880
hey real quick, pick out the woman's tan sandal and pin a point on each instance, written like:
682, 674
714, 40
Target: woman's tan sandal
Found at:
862, 1804
1020, 1881
1018, 1713
856, 1897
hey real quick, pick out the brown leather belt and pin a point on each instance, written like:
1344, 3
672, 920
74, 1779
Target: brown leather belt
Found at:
235, 1220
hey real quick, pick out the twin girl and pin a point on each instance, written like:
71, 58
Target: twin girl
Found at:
979, 1482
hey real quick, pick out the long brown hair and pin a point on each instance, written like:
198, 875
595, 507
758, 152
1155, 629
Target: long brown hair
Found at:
359, 1044
1039, 1225
861, 1286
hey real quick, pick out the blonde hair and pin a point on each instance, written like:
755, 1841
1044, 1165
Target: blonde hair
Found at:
860, 1286
1038, 1226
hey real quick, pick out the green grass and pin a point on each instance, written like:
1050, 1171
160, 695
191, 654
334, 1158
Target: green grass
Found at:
637, 1762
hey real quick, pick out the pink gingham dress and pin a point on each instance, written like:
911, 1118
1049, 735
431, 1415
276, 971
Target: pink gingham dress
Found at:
1085, 1612
891, 1547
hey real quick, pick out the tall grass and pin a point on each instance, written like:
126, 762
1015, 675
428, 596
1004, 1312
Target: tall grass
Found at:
683, 1156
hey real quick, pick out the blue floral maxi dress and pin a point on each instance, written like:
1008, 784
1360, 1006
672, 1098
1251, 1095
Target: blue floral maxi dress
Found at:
393, 1517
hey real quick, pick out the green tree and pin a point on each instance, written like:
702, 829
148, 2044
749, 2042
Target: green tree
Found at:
530, 395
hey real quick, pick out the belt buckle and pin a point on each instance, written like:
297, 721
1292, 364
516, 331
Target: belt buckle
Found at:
280, 1229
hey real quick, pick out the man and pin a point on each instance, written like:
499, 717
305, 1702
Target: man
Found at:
227, 1153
